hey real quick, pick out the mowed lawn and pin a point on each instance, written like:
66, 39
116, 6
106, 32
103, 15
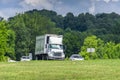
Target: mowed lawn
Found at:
61, 70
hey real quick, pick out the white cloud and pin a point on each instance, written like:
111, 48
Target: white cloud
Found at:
19, 6
107, 1
46, 4
4, 1
25, 5
9, 12
92, 8
115, 0
3, 15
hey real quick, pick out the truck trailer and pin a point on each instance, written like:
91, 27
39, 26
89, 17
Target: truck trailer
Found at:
49, 46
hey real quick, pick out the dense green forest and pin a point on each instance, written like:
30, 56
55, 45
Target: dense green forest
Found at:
100, 31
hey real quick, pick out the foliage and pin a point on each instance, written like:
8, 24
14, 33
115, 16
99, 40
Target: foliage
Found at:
72, 41
111, 50
108, 50
27, 26
91, 42
74, 28
6, 41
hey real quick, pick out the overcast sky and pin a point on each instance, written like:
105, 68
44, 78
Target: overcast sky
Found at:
9, 8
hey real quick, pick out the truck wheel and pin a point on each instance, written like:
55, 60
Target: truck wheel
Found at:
36, 58
46, 57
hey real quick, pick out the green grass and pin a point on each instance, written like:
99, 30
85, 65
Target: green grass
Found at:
61, 70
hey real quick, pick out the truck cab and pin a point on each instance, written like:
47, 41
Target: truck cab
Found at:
55, 51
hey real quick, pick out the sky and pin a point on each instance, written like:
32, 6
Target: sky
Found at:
9, 8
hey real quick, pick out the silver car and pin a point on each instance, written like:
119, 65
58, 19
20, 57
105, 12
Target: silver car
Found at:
25, 58
76, 57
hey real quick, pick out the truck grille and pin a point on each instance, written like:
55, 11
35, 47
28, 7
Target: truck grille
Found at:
57, 54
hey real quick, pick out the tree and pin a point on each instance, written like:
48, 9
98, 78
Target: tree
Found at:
111, 50
91, 42
27, 26
72, 41
74, 28
10, 50
6, 41
117, 51
69, 21
108, 50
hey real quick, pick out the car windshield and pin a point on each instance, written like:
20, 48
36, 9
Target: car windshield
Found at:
56, 46
77, 57
25, 57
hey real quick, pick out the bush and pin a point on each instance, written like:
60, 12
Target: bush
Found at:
3, 58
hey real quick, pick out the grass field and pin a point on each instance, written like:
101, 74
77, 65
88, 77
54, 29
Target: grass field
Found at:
61, 70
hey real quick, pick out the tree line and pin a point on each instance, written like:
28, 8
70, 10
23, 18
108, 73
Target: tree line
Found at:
80, 32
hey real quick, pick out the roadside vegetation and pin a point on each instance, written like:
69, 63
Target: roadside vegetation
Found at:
100, 31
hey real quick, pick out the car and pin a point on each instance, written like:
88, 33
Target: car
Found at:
25, 58
76, 57
11, 60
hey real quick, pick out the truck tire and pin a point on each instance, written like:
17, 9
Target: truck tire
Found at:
46, 57
36, 57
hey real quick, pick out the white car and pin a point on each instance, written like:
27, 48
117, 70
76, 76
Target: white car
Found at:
11, 60
25, 58
76, 57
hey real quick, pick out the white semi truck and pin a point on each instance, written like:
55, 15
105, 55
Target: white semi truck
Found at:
49, 46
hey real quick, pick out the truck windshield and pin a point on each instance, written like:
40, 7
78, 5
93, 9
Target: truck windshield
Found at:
56, 46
